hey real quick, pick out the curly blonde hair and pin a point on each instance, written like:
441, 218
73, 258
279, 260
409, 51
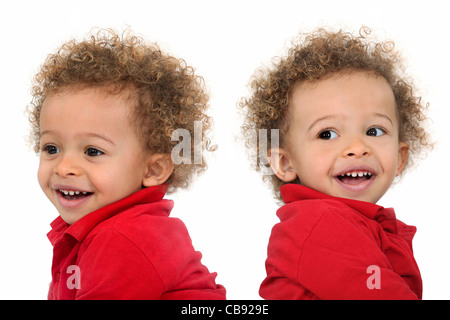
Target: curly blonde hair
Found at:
165, 92
316, 56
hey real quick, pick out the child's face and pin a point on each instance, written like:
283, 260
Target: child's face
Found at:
343, 137
90, 155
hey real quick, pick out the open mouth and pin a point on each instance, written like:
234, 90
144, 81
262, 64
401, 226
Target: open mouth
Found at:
355, 177
74, 195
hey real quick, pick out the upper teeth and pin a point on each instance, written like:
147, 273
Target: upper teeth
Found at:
356, 174
70, 192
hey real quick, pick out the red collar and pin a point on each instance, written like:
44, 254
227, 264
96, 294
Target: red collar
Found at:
384, 216
83, 226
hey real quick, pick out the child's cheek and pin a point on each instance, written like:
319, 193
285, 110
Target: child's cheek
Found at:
42, 175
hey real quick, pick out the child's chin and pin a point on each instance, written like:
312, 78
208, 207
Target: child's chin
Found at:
348, 195
70, 217
366, 197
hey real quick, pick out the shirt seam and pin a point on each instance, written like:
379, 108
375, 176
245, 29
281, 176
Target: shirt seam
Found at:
306, 239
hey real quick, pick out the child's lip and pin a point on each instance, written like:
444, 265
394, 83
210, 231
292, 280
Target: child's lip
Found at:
71, 203
367, 178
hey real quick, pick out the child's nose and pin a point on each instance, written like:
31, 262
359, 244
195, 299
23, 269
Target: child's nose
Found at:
67, 167
357, 148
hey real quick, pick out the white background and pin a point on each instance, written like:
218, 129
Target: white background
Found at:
228, 211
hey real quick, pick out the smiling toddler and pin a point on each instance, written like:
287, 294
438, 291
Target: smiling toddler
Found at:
102, 114
349, 124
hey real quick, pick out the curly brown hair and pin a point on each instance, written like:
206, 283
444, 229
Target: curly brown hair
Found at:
165, 92
319, 55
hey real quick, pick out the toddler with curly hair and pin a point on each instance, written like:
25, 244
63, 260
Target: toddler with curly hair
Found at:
349, 123
103, 115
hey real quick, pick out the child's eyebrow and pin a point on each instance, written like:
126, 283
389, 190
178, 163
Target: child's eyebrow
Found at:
330, 116
97, 135
382, 115
44, 132
87, 134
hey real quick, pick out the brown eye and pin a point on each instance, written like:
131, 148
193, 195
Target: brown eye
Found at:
93, 152
375, 132
327, 135
50, 149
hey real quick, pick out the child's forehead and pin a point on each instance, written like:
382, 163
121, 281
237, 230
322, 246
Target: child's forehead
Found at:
85, 98
94, 106
74, 112
335, 84
362, 92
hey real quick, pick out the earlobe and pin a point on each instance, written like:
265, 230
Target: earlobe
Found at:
403, 151
281, 166
159, 169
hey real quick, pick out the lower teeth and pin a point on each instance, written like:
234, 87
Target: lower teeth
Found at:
357, 178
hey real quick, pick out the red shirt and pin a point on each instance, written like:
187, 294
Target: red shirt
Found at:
130, 249
333, 248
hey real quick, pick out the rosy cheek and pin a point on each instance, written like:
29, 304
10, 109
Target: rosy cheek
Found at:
42, 176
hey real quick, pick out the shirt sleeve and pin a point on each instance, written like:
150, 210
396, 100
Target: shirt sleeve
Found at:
327, 256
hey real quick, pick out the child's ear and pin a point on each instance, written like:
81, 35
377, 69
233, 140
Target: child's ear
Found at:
159, 169
403, 149
281, 166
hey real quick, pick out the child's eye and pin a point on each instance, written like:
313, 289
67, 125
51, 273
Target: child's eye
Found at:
93, 152
375, 132
327, 135
50, 149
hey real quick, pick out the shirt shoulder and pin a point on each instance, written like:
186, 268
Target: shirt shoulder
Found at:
162, 241
311, 211
300, 219
146, 228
